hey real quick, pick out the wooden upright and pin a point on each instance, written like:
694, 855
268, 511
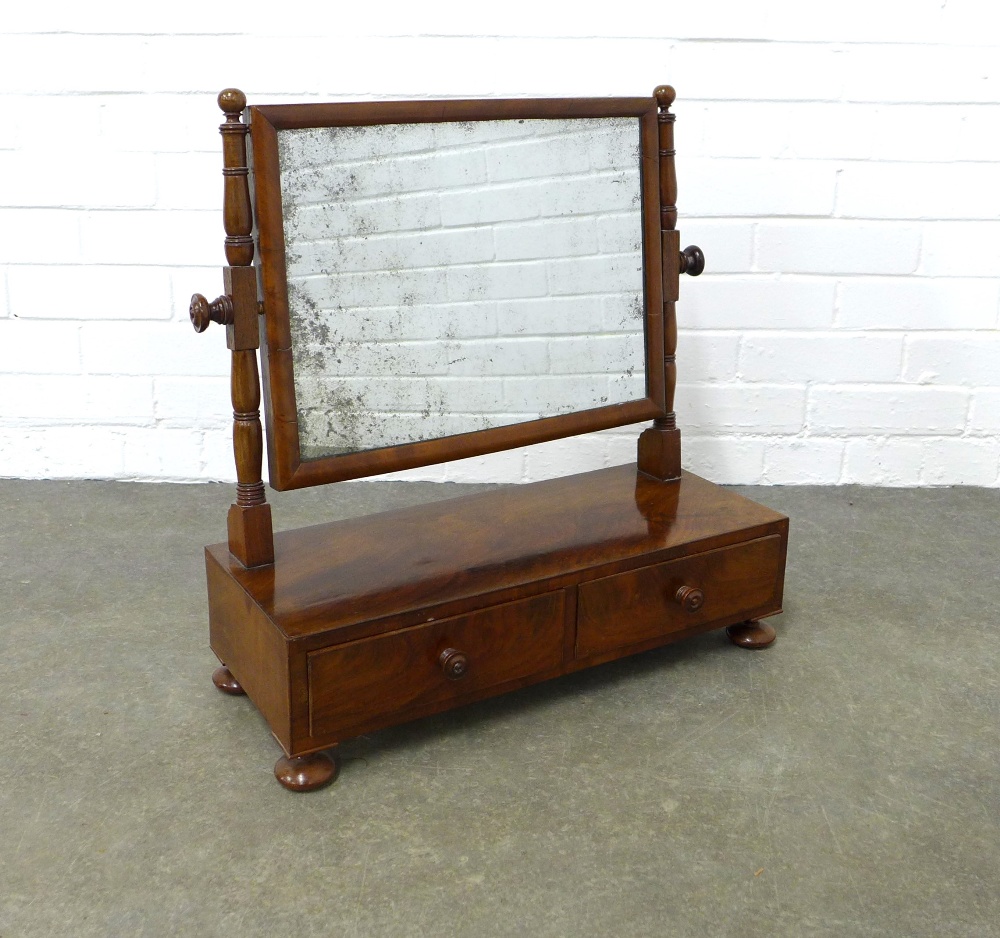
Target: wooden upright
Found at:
251, 539
659, 452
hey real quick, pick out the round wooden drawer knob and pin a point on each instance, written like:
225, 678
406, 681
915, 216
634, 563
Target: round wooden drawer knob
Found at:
690, 599
454, 663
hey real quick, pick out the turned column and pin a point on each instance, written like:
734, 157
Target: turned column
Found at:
659, 452
250, 532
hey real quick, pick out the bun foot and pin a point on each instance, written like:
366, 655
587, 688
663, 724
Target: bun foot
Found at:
752, 634
307, 773
224, 680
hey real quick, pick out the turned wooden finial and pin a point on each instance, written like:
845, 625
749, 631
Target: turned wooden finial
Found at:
236, 214
232, 101
664, 95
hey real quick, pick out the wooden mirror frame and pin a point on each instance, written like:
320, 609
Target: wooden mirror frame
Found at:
287, 468
241, 310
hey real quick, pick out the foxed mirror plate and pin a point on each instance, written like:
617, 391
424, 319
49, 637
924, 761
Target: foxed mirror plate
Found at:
451, 277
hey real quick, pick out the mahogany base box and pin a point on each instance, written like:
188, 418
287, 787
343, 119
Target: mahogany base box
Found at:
370, 622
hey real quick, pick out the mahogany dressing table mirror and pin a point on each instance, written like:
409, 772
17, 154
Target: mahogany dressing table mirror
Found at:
428, 281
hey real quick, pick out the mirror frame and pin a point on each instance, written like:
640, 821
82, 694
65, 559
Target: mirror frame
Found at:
287, 468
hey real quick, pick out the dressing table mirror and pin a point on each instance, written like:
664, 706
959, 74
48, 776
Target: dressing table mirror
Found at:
427, 281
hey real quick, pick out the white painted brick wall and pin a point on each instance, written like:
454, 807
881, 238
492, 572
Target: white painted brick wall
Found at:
839, 164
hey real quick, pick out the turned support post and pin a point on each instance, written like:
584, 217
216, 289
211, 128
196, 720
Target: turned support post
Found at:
659, 452
251, 538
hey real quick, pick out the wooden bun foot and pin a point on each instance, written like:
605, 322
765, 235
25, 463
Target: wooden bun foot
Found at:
752, 634
307, 773
224, 680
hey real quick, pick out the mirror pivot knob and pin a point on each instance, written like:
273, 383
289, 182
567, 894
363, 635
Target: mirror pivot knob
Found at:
692, 260
202, 312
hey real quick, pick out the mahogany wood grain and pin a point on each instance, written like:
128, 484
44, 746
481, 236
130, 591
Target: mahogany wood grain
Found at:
309, 772
671, 270
223, 678
249, 521
202, 312
665, 96
242, 328
250, 534
351, 626
250, 645
276, 349
666, 638
367, 113
454, 664
427, 706
692, 260
501, 644
659, 446
463, 445
628, 608
652, 262
287, 469
236, 212
345, 633
248, 440
752, 634
689, 598
442, 555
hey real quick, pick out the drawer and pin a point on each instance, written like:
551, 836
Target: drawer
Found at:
640, 605
420, 668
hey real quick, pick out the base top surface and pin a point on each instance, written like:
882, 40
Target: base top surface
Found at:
360, 569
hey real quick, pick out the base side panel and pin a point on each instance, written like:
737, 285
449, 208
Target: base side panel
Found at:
248, 643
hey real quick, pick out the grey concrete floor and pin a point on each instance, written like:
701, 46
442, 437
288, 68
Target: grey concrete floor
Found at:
845, 782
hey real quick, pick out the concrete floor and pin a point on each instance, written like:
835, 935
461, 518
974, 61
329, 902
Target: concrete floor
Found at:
845, 782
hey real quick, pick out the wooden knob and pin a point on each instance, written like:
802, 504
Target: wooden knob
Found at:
692, 260
202, 312
690, 598
454, 663
665, 95
232, 100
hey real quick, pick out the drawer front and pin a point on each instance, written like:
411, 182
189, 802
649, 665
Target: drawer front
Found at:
640, 605
352, 685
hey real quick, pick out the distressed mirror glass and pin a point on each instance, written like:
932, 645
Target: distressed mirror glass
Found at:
451, 277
